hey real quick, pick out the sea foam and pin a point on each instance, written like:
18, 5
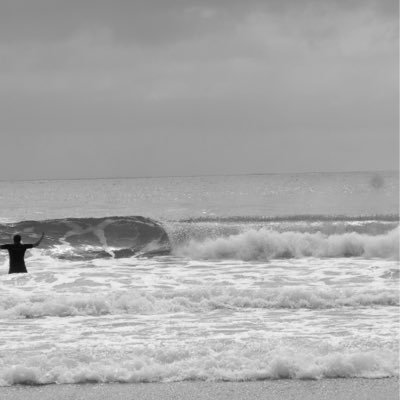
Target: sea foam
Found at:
190, 300
266, 244
227, 362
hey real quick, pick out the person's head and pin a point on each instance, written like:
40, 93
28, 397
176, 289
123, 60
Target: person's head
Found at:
17, 239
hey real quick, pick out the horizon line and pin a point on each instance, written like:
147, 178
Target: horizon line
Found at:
200, 175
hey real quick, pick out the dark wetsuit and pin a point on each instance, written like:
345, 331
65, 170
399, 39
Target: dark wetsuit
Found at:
17, 253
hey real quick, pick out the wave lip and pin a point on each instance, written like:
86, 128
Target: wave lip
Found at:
296, 218
265, 244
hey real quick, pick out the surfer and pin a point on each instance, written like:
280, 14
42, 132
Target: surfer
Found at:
16, 251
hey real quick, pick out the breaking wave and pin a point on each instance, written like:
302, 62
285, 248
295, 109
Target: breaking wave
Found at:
193, 300
213, 227
266, 244
241, 238
215, 362
76, 238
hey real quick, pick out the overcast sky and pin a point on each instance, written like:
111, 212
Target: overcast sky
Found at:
96, 88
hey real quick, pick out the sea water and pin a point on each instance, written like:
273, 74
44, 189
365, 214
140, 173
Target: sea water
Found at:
202, 278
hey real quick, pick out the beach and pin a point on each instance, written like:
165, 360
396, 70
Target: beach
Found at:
328, 389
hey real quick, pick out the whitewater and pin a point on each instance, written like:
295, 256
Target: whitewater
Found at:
202, 278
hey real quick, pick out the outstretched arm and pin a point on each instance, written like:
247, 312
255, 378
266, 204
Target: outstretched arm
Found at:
38, 242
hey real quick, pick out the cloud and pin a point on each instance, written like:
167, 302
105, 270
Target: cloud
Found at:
203, 74
159, 21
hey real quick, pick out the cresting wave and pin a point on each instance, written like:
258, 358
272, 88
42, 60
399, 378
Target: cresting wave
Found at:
265, 244
209, 227
214, 361
193, 300
239, 238
93, 237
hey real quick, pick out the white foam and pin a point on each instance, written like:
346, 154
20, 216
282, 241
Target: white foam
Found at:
265, 244
190, 300
228, 362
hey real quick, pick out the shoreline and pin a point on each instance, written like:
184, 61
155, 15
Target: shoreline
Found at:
327, 389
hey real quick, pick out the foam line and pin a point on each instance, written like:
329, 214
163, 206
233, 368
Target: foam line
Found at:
193, 300
265, 244
227, 362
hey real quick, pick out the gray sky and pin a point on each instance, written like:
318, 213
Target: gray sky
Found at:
95, 88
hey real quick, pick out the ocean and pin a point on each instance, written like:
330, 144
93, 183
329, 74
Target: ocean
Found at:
221, 278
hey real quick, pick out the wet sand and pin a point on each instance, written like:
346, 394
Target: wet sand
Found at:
327, 389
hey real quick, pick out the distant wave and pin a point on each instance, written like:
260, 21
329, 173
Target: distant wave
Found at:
193, 300
265, 244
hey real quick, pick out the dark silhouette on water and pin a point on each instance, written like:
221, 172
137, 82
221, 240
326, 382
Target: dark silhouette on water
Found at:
16, 252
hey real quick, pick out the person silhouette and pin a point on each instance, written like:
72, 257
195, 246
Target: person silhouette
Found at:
16, 252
